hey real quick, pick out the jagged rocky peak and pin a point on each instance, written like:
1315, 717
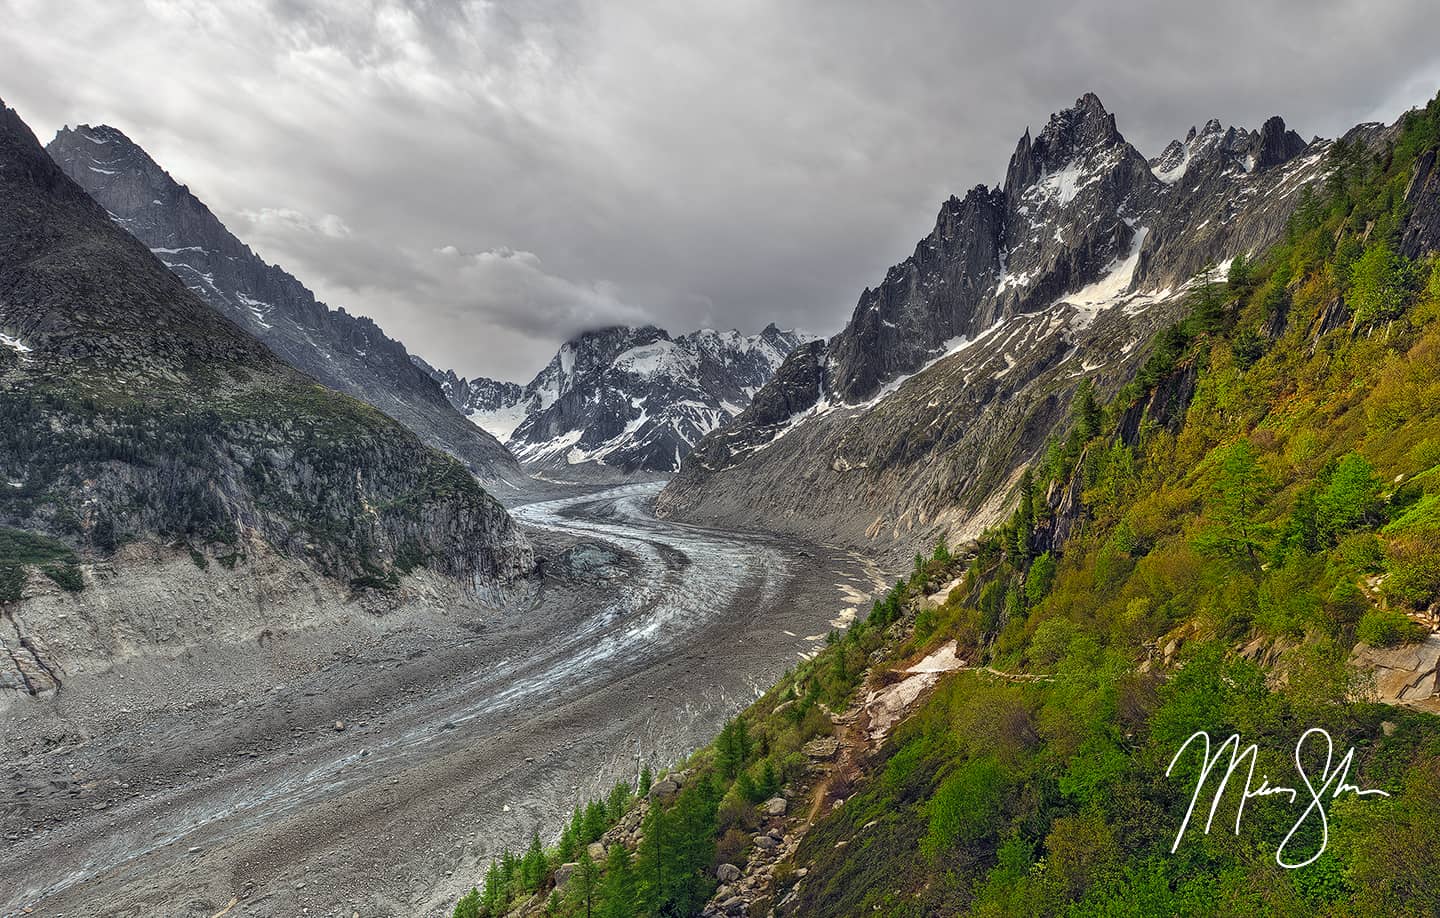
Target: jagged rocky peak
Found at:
976, 340
1069, 135
1251, 151
1275, 144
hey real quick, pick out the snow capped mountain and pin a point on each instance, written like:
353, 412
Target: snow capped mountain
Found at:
630, 399
348, 353
930, 399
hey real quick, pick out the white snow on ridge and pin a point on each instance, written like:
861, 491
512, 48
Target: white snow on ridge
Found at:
15, 344
1116, 280
1176, 172
501, 422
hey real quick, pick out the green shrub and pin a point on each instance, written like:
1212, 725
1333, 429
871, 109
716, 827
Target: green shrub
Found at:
1386, 628
12, 582
966, 807
1413, 562
67, 575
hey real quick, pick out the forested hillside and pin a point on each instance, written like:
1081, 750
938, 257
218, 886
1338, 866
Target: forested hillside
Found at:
1244, 540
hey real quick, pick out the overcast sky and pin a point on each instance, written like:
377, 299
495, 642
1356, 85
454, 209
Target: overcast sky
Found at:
485, 179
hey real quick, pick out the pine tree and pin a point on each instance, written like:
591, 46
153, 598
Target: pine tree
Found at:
769, 780
942, 550
583, 885
619, 799
652, 853
595, 823
493, 899
1239, 494
618, 894
469, 905
568, 842
645, 780
533, 866
509, 872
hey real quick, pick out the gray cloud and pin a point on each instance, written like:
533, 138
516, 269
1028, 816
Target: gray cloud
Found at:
485, 179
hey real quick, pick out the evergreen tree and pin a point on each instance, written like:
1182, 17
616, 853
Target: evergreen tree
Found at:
618, 800
619, 893
732, 748
509, 872
1086, 409
1239, 495
568, 843
645, 779
1380, 283
942, 550
769, 780
533, 866
653, 851
583, 885
493, 899
595, 822
1208, 312
469, 905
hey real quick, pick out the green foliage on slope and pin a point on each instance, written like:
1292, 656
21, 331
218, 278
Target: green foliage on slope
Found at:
1291, 514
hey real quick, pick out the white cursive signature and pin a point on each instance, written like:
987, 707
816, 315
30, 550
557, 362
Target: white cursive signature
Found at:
1336, 777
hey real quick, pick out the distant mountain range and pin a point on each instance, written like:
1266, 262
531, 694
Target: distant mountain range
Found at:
623, 399
348, 353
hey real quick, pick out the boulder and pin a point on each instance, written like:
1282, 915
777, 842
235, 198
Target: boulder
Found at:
664, 790
596, 850
766, 842
563, 872
1408, 674
822, 748
727, 873
776, 806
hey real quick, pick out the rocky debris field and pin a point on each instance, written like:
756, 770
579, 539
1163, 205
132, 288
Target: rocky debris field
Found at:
372, 760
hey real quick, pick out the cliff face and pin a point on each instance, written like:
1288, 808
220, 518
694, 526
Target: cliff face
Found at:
131, 410
916, 417
348, 353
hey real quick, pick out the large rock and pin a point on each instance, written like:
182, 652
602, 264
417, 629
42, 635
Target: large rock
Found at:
564, 872
1408, 675
727, 873
775, 806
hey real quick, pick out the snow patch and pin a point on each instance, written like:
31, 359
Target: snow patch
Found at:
1118, 276
15, 344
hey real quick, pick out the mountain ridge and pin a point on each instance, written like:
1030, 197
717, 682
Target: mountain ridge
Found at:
346, 352
134, 410
624, 398
931, 396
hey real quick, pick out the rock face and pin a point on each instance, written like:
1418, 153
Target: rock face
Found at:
348, 353
916, 418
626, 399
134, 411
1404, 675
